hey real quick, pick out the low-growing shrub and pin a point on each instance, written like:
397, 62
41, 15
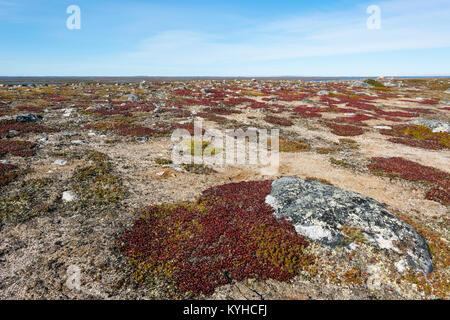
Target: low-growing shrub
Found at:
8, 173
345, 130
163, 161
412, 171
435, 283
418, 136
30, 108
31, 198
278, 121
289, 145
230, 233
136, 131
212, 117
17, 148
342, 163
97, 184
198, 168
424, 144
23, 127
409, 170
309, 112
374, 83
439, 195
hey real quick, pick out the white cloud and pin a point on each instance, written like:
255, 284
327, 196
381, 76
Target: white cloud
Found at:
405, 25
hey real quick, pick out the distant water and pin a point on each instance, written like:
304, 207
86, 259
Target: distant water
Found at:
124, 80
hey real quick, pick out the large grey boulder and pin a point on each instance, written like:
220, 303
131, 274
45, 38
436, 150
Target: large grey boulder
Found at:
320, 212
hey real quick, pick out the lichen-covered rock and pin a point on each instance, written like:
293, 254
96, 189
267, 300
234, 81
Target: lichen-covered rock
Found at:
99, 106
434, 125
28, 118
134, 97
324, 213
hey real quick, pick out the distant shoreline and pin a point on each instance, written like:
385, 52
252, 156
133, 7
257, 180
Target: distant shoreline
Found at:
51, 79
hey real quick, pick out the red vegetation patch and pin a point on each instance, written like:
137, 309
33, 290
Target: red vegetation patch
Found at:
355, 120
23, 127
8, 173
136, 131
397, 114
425, 102
278, 121
418, 136
439, 195
17, 148
420, 110
291, 97
127, 129
429, 102
186, 126
412, 171
259, 105
224, 111
230, 233
309, 112
58, 99
30, 108
345, 130
236, 101
425, 144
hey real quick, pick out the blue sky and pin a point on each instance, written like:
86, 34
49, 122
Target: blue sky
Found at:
224, 38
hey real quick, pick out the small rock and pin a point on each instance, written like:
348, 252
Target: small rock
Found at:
60, 162
176, 167
383, 127
143, 85
28, 118
69, 196
13, 132
67, 112
97, 106
134, 97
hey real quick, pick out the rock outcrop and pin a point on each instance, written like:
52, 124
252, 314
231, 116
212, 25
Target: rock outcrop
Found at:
323, 213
